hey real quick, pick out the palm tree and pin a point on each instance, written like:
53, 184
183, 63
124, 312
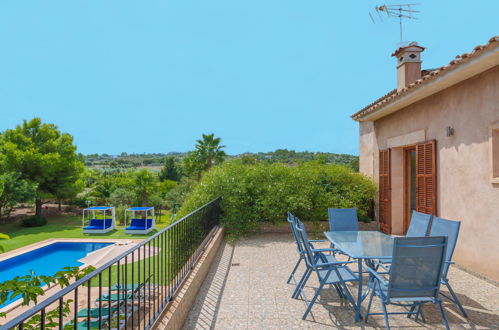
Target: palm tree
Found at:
144, 182
210, 150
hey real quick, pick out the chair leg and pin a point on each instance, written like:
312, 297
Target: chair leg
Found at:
369, 305
417, 312
413, 307
347, 294
443, 315
301, 284
422, 313
311, 303
294, 270
456, 300
385, 314
340, 294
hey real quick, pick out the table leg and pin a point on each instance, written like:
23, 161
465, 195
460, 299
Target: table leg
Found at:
359, 293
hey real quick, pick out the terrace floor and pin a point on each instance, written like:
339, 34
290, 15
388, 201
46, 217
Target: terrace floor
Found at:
246, 289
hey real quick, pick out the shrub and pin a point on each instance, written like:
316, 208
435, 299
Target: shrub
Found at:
256, 193
80, 200
34, 221
178, 194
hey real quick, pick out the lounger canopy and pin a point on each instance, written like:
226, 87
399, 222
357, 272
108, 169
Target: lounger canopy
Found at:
140, 224
99, 225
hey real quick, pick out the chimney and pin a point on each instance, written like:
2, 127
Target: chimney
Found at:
408, 64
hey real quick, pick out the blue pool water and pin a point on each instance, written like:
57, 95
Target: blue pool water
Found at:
46, 260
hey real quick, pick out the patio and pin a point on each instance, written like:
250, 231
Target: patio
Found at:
246, 289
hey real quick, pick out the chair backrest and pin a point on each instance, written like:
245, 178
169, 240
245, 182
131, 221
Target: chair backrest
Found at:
343, 219
449, 228
104, 223
96, 222
416, 269
292, 223
142, 223
304, 242
420, 223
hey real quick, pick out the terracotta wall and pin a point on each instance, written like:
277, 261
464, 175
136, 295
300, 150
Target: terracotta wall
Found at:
464, 186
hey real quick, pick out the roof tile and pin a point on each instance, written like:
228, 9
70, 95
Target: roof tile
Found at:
393, 95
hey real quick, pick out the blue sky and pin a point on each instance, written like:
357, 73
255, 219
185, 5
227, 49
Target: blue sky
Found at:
151, 76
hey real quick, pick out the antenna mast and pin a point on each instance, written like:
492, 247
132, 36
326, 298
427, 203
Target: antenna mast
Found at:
401, 11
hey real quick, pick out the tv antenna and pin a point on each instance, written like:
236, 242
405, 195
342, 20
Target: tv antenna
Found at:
401, 11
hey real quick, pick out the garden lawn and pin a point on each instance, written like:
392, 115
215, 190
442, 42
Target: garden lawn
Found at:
61, 227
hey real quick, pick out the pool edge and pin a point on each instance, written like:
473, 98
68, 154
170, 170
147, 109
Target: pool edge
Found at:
28, 248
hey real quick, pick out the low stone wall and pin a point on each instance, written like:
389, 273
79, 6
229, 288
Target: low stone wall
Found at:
312, 227
175, 313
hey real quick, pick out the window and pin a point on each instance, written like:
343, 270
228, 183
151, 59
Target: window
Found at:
494, 153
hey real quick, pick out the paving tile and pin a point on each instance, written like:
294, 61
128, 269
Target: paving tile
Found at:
254, 295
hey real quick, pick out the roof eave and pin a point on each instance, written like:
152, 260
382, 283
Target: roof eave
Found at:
465, 71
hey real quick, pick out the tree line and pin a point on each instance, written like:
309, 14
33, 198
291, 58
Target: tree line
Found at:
125, 160
40, 164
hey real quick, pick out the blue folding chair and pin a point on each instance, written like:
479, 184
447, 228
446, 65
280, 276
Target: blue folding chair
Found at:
420, 223
449, 228
343, 219
292, 222
414, 276
334, 273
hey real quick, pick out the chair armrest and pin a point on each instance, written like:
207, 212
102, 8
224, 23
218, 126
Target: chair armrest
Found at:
450, 262
325, 250
375, 274
316, 240
334, 263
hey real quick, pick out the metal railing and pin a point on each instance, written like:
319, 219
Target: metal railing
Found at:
131, 290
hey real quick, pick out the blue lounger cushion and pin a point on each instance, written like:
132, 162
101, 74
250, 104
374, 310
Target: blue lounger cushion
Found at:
140, 224
96, 224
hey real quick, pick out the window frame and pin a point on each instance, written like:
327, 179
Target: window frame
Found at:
494, 152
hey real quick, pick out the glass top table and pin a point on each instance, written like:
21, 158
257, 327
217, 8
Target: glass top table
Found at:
362, 244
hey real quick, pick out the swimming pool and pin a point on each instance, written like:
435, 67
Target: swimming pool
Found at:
46, 260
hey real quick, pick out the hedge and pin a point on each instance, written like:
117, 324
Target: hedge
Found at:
252, 194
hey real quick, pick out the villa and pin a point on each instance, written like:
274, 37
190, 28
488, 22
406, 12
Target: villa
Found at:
432, 144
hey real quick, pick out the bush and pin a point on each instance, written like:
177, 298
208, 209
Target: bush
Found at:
178, 194
34, 221
256, 193
80, 200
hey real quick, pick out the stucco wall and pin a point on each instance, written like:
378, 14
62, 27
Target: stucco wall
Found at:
368, 146
464, 188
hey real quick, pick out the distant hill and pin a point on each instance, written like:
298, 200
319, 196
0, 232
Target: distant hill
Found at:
125, 160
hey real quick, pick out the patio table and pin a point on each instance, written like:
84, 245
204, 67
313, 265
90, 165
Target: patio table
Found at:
362, 246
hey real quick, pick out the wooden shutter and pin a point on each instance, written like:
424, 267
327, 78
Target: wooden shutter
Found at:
426, 183
385, 192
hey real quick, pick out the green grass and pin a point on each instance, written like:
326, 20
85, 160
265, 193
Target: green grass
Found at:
162, 267
62, 227
176, 246
147, 262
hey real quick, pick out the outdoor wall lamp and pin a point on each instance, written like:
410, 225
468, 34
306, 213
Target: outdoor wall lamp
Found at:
449, 131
